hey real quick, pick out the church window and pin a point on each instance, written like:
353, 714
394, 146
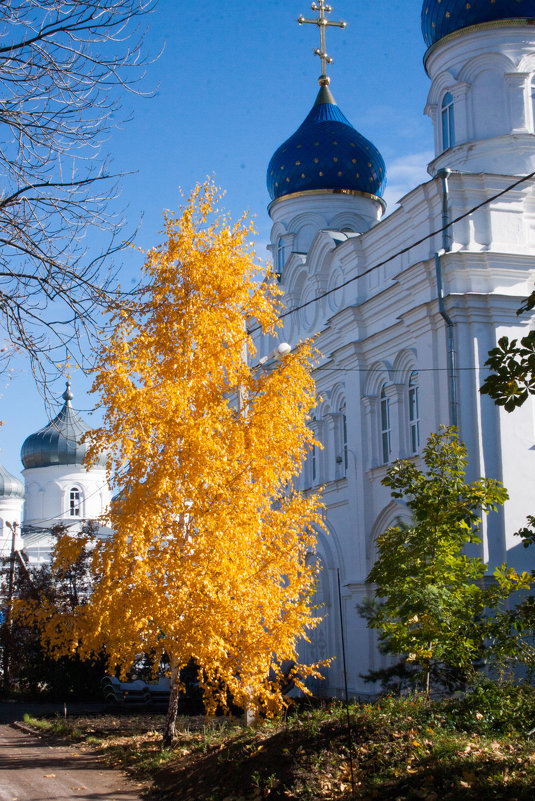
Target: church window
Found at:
448, 122
344, 436
280, 257
75, 504
414, 413
386, 442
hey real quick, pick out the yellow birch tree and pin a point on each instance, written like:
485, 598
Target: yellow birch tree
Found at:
208, 557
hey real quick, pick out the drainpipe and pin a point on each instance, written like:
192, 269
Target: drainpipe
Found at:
446, 248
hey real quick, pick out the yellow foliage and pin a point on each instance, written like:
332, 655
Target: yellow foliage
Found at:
208, 559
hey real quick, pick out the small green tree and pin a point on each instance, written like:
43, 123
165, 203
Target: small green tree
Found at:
434, 606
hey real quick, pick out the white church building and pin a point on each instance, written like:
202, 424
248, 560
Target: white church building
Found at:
57, 489
407, 308
407, 312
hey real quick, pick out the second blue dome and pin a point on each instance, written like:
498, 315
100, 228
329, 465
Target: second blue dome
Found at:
440, 17
326, 153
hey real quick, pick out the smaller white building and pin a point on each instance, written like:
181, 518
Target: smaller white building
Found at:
58, 488
11, 500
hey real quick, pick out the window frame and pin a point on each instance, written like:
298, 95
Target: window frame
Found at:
314, 465
75, 502
345, 450
280, 257
413, 409
447, 121
385, 426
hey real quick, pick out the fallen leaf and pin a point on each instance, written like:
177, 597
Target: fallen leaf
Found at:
49, 776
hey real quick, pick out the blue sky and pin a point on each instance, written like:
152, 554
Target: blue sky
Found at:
234, 80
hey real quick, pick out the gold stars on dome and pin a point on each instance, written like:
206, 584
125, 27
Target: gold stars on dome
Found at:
322, 22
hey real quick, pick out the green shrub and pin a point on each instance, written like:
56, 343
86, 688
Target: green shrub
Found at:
493, 708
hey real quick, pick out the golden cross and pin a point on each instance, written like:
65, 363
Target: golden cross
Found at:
322, 22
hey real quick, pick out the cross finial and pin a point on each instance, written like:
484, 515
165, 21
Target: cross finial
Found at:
322, 22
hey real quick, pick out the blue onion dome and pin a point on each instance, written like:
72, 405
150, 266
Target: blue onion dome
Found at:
58, 443
10, 487
440, 17
326, 153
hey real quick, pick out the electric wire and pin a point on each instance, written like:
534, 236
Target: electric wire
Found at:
380, 264
377, 266
400, 252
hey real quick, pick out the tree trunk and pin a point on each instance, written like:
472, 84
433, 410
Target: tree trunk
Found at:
172, 709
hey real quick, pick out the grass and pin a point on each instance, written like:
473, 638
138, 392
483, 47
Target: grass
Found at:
402, 749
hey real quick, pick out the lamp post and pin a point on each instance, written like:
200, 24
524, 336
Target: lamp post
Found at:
7, 621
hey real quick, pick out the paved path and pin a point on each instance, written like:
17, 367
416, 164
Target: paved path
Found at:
10, 711
33, 769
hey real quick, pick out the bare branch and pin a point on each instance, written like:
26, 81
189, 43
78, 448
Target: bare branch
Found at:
63, 67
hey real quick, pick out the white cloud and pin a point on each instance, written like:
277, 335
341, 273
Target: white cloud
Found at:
404, 174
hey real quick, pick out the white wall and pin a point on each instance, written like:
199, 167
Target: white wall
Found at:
373, 333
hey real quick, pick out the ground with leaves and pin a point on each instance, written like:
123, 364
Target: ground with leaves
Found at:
474, 748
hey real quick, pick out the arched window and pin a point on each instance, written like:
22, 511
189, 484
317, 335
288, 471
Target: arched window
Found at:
281, 257
75, 502
386, 443
448, 122
312, 467
414, 412
344, 435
